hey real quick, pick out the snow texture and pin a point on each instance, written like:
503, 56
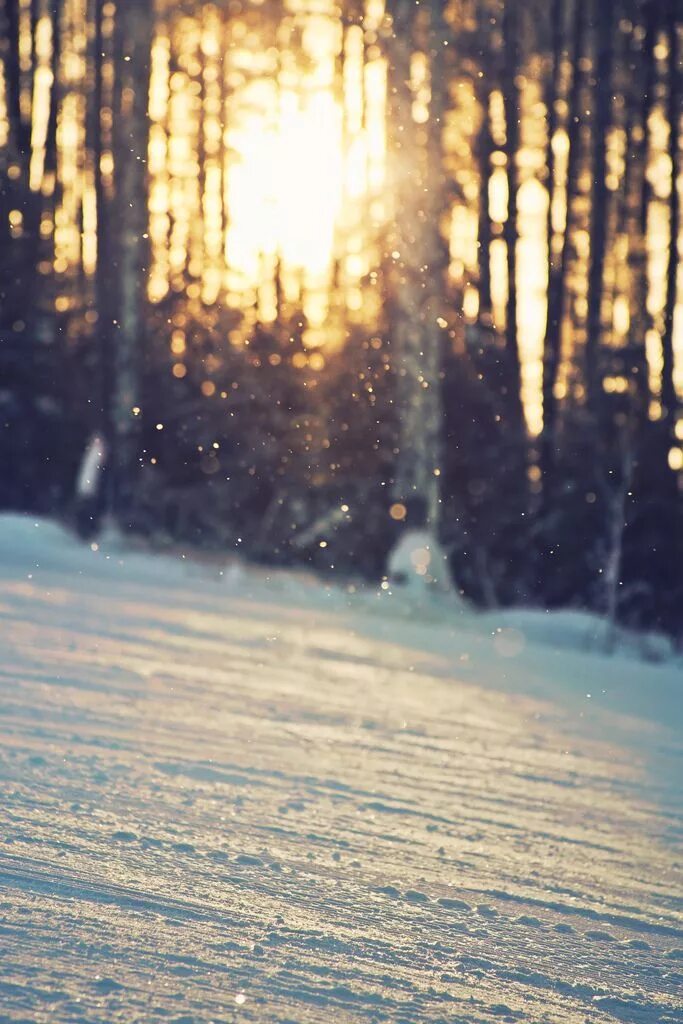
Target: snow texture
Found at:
229, 796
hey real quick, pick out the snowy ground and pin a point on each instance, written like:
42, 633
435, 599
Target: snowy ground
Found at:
234, 798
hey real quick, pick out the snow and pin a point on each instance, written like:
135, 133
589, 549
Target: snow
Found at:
88, 481
230, 795
419, 561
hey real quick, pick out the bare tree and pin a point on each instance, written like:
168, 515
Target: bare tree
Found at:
616, 492
669, 398
132, 52
20, 125
603, 13
511, 69
416, 264
484, 153
553, 96
557, 267
483, 84
637, 191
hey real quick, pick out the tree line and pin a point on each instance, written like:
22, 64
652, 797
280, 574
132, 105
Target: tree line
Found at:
293, 453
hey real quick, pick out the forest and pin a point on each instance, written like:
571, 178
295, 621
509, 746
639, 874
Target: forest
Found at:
302, 262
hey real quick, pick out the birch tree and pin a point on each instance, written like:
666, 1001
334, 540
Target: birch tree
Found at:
132, 51
416, 263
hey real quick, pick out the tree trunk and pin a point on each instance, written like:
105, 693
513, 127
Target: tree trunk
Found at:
103, 296
557, 267
552, 98
604, 25
133, 42
51, 132
637, 191
669, 400
20, 130
510, 232
416, 272
617, 501
484, 153
48, 200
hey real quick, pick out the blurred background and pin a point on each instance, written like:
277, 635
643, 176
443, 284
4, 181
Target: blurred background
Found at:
294, 268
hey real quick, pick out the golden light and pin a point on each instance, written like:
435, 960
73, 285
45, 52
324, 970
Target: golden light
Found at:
269, 186
267, 159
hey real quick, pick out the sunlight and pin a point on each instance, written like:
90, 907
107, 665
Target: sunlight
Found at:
285, 204
269, 189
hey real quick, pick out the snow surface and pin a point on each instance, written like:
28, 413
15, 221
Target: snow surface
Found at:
234, 796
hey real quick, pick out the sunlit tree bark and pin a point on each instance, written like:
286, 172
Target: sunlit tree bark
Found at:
484, 153
483, 84
416, 270
47, 200
511, 68
103, 291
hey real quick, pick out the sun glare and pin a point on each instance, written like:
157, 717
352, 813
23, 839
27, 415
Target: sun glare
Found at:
268, 159
270, 191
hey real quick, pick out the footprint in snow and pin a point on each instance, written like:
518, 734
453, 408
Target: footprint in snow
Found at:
451, 904
598, 936
107, 985
248, 861
389, 890
149, 843
502, 1010
415, 896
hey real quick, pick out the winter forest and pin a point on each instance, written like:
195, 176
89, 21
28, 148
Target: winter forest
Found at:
301, 262
341, 512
